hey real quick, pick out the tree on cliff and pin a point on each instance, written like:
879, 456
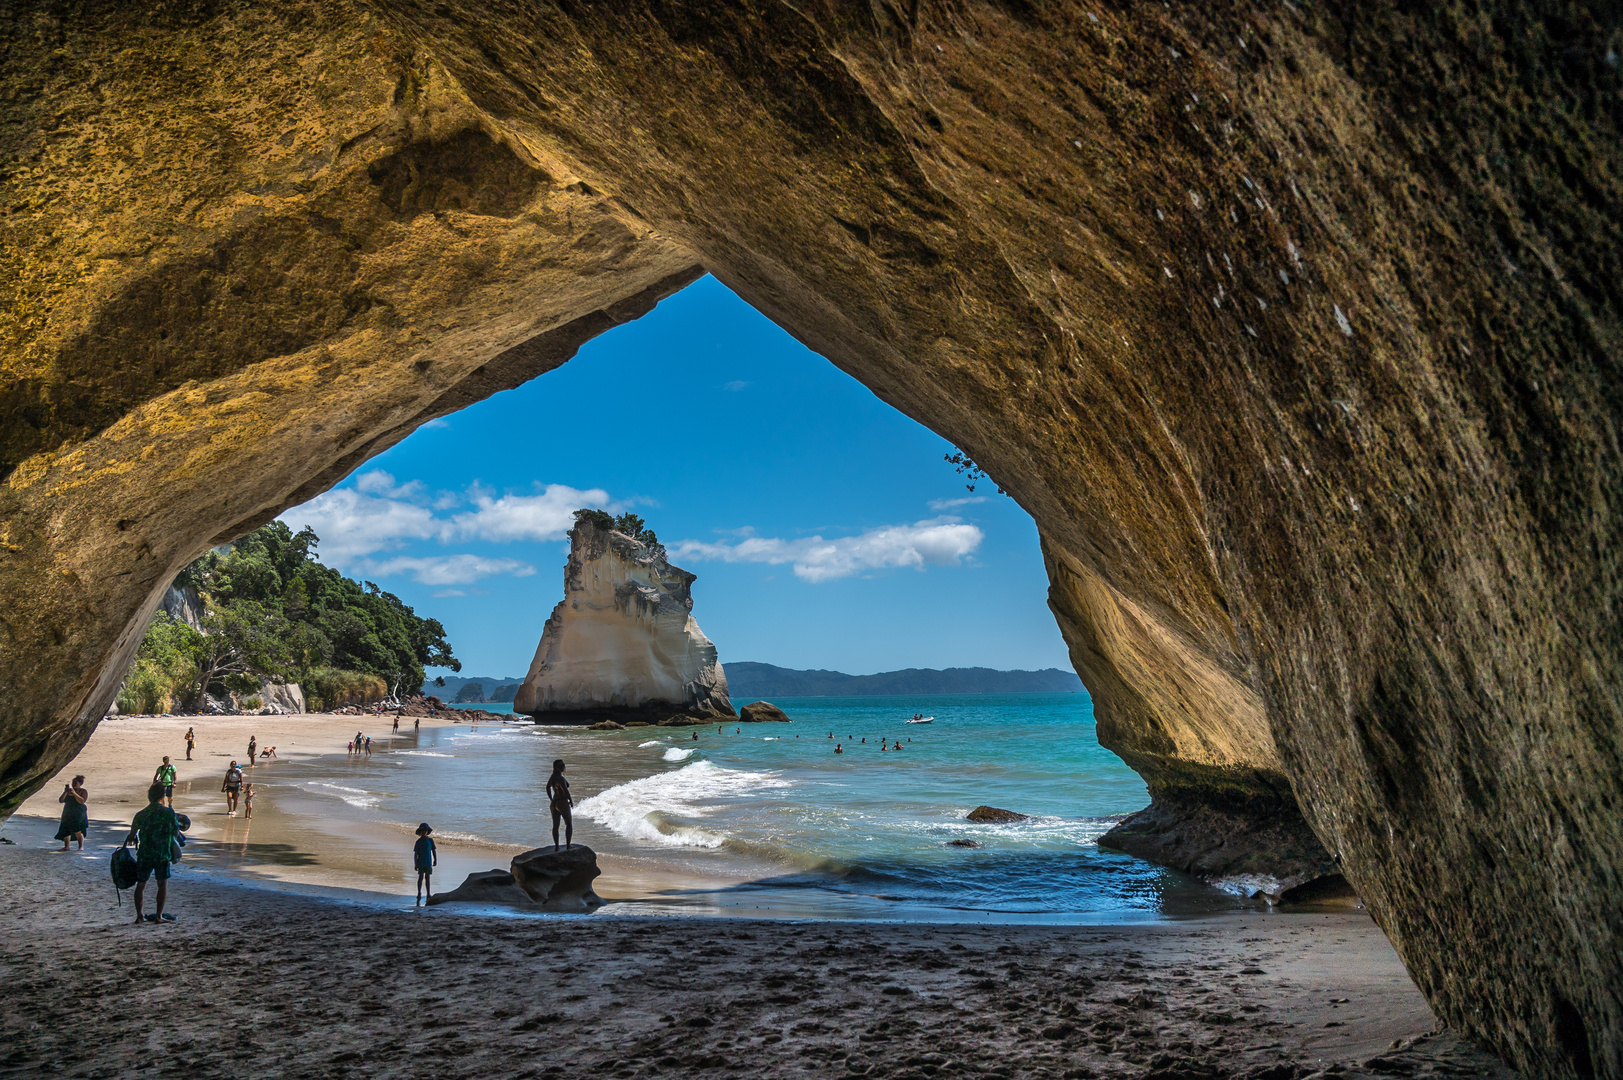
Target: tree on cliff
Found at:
273, 611
627, 524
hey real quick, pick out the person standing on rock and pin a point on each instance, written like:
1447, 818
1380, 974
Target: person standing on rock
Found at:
425, 856
562, 802
232, 788
191, 741
75, 816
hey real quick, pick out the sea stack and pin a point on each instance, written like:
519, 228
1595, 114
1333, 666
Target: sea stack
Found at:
623, 643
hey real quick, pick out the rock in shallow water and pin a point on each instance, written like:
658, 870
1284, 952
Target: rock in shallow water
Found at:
992, 815
759, 712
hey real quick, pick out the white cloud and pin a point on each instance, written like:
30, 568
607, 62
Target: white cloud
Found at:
444, 570
735, 385
939, 505
352, 524
440, 594
378, 514
547, 516
937, 542
379, 483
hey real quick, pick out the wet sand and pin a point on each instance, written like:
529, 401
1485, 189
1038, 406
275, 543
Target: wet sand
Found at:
256, 982
288, 847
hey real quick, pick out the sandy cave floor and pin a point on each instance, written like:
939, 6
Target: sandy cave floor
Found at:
256, 982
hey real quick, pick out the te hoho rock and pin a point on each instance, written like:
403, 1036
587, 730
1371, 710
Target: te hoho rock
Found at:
1295, 327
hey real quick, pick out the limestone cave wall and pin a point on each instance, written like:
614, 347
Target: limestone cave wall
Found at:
1295, 328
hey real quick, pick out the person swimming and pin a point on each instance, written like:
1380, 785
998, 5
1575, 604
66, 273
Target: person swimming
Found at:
562, 802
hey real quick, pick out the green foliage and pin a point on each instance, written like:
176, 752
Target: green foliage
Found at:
273, 611
628, 523
253, 701
164, 670
963, 466
329, 688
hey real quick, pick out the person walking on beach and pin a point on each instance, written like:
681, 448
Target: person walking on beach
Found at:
425, 856
153, 831
191, 741
558, 793
397, 721
248, 803
232, 788
165, 776
75, 816
253, 748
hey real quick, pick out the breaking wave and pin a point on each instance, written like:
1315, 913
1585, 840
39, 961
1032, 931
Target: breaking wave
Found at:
653, 808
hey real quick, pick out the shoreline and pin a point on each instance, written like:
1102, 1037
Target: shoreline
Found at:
302, 985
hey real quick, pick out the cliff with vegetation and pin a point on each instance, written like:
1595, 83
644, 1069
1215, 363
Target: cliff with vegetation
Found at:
1295, 327
271, 610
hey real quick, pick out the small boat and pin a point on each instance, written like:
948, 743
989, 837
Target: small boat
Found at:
917, 719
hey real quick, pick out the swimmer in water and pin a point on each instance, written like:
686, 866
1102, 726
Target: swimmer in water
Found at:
837, 749
562, 802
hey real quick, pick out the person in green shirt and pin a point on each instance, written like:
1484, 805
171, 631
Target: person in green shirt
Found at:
153, 832
165, 778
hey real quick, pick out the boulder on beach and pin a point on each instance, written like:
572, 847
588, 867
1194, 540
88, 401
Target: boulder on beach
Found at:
559, 880
763, 712
541, 878
486, 887
991, 815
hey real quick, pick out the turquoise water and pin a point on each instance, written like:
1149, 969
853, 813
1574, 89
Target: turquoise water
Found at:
870, 823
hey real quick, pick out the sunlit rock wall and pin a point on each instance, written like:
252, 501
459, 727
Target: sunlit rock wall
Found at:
623, 641
1295, 327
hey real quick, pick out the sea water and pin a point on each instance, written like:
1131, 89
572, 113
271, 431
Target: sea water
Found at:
790, 825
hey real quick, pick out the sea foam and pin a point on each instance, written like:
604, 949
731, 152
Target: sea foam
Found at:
648, 808
676, 753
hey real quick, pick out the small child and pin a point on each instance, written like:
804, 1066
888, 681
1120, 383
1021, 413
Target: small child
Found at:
425, 857
248, 802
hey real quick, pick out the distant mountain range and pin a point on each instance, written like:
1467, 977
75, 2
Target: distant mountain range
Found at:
489, 689
747, 680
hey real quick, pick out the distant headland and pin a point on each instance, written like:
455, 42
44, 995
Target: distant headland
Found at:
751, 680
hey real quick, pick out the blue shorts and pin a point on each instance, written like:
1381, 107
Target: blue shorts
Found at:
143, 871
425, 869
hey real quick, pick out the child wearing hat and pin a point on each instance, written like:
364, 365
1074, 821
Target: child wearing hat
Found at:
425, 858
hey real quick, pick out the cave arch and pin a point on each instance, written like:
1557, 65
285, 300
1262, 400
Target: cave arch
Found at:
1304, 359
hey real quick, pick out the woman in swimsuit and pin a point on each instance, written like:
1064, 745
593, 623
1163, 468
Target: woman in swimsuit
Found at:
558, 792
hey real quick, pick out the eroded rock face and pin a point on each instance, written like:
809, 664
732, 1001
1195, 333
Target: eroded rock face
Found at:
623, 642
1295, 328
763, 712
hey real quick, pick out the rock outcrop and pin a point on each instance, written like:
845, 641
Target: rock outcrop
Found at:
559, 880
542, 878
993, 815
622, 644
283, 697
763, 712
1296, 329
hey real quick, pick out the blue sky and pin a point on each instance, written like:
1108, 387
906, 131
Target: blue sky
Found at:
826, 529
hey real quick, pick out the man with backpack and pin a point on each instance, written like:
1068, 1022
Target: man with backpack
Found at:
155, 832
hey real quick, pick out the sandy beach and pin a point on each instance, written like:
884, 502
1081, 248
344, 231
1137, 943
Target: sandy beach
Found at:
263, 975
300, 851
256, 982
